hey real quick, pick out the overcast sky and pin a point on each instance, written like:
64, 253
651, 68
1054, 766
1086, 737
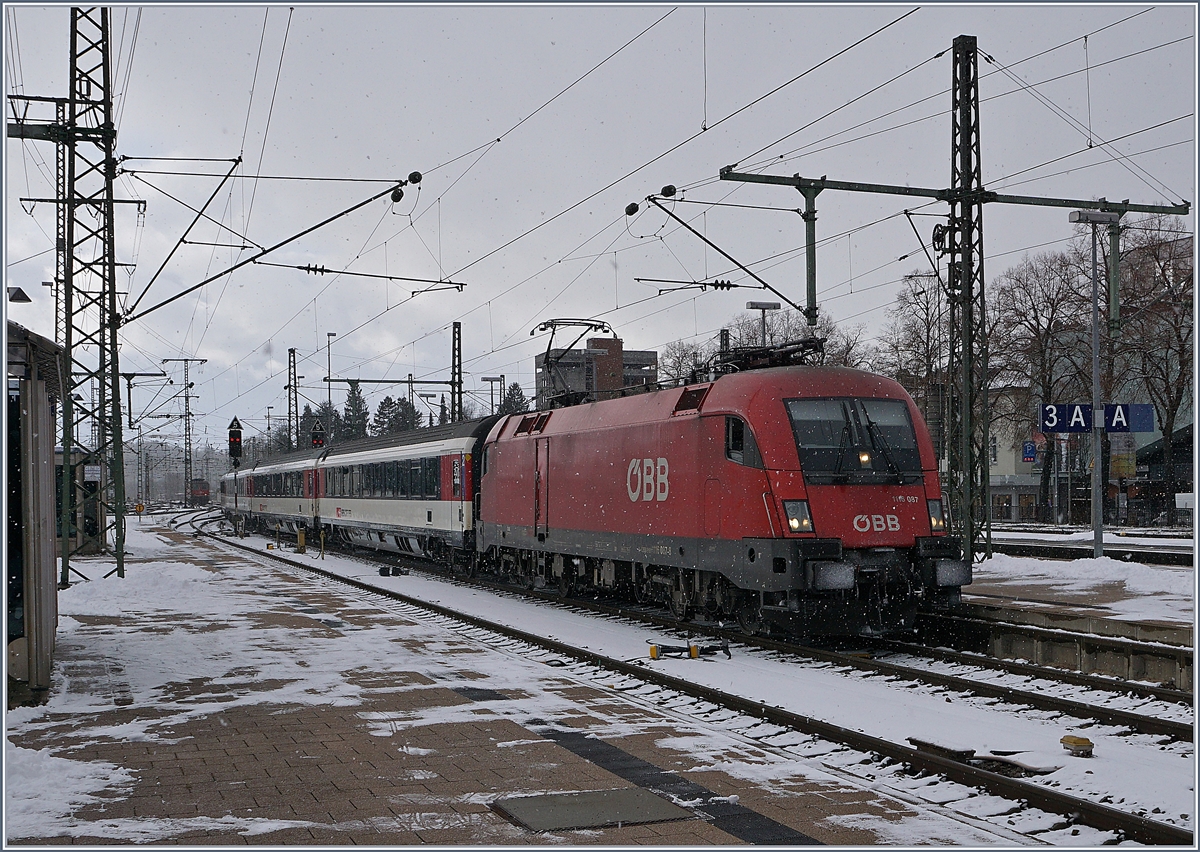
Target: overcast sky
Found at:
593, 107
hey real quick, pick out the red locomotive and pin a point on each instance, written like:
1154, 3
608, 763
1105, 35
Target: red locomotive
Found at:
198, 492
800, 498
805, 497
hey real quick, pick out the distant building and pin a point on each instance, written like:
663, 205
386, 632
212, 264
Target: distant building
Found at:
603, 370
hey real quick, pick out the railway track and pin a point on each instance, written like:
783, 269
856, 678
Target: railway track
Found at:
961, 768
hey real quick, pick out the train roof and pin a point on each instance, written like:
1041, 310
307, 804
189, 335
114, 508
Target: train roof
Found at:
731, 392
429, 435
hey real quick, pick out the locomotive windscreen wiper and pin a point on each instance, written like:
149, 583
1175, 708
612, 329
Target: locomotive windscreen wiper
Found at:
838, 475
881, 444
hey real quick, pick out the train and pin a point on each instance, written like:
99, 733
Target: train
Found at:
802, 500
198, 492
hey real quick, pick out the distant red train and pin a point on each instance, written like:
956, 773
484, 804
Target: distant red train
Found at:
804, 499
198, 492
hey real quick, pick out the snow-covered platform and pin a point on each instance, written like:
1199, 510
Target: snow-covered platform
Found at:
1160, 597
214, 697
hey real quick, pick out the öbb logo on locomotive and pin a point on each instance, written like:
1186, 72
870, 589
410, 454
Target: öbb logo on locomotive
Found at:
647, 479
865, 523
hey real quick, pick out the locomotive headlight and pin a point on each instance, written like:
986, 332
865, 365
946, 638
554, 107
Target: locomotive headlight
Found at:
937, 521
864, 458
798, 518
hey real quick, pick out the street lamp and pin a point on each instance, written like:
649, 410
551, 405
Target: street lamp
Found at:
1094, 218
764, 307
329, 336
491, 380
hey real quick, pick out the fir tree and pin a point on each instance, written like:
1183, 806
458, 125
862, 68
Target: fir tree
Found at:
357, 415
514, 401
386, 416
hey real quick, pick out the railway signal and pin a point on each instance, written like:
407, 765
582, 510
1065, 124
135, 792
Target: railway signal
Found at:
318, 435
235, 441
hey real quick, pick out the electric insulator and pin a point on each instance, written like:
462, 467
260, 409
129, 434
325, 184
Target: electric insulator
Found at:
397, 194
631, 208
414, 178
668, 191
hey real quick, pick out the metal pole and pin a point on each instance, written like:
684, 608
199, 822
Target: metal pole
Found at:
329, 336
1094, 219
1097, 412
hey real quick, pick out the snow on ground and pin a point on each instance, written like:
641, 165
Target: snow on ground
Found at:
1144, 592
1130, 768
215, 631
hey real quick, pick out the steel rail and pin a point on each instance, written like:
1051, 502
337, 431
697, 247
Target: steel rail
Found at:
1090, 813
1137, 721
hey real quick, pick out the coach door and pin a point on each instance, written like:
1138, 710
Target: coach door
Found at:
541, 488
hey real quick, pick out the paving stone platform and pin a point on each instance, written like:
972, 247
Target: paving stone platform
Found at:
309, 716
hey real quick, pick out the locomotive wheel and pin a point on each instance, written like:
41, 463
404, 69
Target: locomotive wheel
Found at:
750, 616
678, 606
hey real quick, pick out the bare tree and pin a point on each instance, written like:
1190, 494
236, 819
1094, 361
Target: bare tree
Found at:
915, 348
680, 359
1157, 290
1038, 310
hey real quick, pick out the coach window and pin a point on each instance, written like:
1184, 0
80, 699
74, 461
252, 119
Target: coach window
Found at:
739, 443
432, 467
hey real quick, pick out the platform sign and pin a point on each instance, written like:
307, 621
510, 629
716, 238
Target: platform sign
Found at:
1029, 451
1077, 417
1125, 417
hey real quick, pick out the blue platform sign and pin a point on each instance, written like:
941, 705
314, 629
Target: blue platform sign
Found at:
1077, 417
1029, 451
1121, 417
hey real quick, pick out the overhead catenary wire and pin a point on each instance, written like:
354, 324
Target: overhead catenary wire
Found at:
1138, 172
488, 145
679, 145
809, 148
664, 244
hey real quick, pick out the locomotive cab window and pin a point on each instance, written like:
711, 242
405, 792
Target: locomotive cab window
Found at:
740, 446
855, 440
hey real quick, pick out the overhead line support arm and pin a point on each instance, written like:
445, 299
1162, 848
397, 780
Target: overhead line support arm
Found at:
262, 253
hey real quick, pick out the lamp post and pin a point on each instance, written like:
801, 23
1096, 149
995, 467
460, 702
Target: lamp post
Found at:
329, 336
1094, 218
491, 380
764, 307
